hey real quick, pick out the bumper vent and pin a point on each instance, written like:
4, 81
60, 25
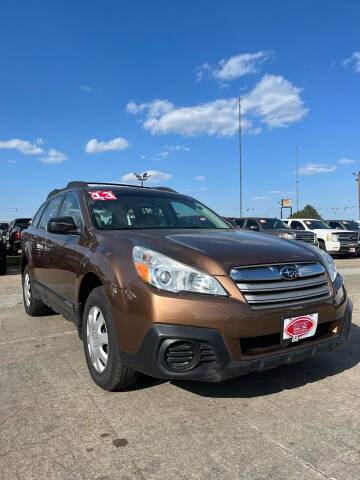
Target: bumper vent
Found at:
183, 355
265, 287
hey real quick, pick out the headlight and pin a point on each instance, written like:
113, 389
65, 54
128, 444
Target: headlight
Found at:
167, 274
328, 261
289, 236
332, 237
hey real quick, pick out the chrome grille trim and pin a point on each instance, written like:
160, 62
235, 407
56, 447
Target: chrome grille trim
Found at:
305, 237
263, 287
347, 236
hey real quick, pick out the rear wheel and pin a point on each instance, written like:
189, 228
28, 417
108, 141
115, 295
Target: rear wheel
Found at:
100, 345
33, 306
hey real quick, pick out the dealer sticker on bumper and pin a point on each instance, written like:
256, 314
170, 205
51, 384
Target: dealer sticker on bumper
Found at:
301, 327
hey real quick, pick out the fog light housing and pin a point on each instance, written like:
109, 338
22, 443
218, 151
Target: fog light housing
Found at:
180, 355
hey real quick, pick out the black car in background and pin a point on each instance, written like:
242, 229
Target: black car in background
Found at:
273, 226
13, 235
2, 257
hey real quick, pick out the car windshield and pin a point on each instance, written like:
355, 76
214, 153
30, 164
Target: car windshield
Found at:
314, 224
351, 225
118, 211
22, 222
272, 224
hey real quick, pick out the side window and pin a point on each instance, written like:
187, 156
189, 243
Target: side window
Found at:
37, 216
251, 223
50, 212
297, 226
71, 208
335, 225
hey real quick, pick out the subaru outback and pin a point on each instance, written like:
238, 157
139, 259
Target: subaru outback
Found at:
158, 283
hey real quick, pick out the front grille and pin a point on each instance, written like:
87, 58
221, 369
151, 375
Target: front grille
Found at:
348, 237
305, 237
264, 287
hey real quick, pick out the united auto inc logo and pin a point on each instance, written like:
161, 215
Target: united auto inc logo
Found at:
289, 273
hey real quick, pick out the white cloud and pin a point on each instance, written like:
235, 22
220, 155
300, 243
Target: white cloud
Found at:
314, 168
233, 67
87, 88
143, 157
163, 154
22, 146
155, 177
200, 178
203, 188
261, 198
94, 146
274, 102
354, 60
39, 141
177, 147
12, 161
279, 192
345, 161
54, 156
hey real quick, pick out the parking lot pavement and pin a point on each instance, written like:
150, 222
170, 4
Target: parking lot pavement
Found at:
299, 421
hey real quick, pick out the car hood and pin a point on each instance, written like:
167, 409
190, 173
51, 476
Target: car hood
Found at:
215, 252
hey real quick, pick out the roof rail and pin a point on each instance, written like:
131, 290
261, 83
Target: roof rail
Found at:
82, 184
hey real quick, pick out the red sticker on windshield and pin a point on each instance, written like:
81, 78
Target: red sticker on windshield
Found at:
103, 195
262, 220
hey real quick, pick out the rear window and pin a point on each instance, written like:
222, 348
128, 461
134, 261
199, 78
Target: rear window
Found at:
22, 222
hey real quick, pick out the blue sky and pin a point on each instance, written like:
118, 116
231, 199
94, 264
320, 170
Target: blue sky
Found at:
96, 90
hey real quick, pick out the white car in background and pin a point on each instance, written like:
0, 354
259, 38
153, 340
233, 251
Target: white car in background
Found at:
333, 241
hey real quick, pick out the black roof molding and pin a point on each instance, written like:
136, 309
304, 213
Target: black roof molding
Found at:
82, 184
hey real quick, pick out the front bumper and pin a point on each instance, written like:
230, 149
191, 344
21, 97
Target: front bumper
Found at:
342, 248
149, 359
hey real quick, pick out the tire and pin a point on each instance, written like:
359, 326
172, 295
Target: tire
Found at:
104, 363
3, 266
33, 306
322, 245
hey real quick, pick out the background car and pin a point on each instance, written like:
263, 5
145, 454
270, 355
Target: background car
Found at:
274, 226
13, 235
2, 257
330, 239
344, 225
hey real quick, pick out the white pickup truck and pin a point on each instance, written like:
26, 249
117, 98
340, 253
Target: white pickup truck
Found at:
331, 240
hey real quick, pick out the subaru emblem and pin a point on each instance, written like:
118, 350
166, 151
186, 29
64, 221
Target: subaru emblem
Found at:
289, 272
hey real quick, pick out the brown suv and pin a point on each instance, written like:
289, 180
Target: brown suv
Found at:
158, 283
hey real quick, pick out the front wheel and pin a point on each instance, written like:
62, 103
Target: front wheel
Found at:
100, 344
33, 306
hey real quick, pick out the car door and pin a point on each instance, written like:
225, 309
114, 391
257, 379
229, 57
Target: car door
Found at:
35, 243
62, 256
51, 210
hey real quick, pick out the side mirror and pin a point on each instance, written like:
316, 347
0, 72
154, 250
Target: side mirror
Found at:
254, 228
62, 225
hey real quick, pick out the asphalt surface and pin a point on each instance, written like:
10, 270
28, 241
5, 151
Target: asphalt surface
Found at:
299, 421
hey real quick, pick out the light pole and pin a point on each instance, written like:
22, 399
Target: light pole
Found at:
240, 161
357, 179
142, 178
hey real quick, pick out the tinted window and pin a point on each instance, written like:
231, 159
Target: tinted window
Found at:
313, 224
127, 211
251, 223
335, 225
38, 215
71, 208
50, 212
351, 225
22, 222
272, 224
297, 225
239, 222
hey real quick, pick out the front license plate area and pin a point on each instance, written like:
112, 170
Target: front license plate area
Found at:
300, 327
352, 250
